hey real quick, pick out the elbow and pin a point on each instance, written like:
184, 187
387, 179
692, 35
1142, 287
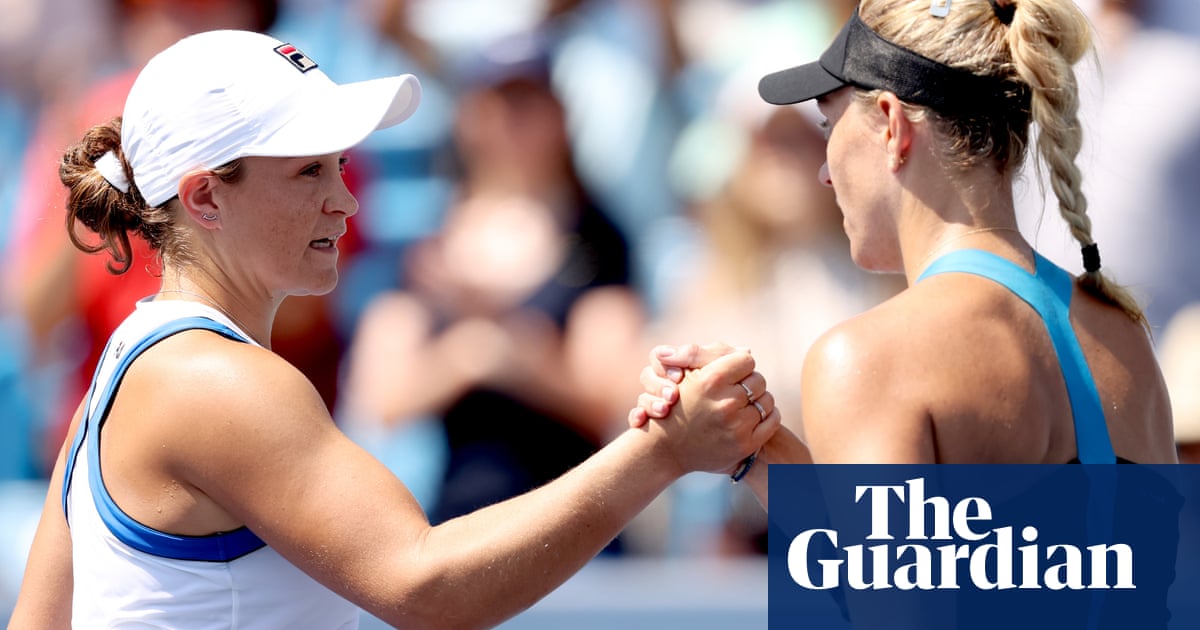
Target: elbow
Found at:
439, 602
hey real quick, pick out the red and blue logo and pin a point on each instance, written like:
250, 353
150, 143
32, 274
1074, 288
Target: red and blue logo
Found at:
301, 61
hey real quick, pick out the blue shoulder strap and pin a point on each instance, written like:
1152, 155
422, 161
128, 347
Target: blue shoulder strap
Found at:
1049, 293
221, 547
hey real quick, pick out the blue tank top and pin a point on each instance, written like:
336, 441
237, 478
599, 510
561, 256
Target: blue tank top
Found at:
1048, 291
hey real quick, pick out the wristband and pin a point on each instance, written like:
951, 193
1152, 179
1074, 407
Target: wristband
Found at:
743, 468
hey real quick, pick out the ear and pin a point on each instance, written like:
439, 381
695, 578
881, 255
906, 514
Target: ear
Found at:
898, 134
196, 195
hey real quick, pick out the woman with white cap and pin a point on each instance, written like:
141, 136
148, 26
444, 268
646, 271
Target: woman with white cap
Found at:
222, 494
992, 354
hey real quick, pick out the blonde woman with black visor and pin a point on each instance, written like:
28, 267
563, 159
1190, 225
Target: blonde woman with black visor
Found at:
992, 354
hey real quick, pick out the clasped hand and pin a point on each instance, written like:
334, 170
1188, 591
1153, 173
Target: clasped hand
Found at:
713, 394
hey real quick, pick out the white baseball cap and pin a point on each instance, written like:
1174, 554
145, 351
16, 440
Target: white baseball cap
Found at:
217, 96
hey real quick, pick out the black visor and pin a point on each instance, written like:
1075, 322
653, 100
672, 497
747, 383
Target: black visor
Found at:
862, 58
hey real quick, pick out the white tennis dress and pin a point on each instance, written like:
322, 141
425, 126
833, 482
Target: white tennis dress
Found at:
130, 576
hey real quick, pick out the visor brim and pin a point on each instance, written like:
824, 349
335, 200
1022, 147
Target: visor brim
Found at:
798, 84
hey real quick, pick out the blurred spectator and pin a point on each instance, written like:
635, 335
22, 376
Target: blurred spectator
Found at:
39, 63
1179, 355
1179, 15
41, 44
1141, 118
614, 66
497, 316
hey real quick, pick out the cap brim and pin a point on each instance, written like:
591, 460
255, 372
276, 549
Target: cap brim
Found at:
342, 116
798, 84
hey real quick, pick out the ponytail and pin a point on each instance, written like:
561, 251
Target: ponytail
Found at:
102, 196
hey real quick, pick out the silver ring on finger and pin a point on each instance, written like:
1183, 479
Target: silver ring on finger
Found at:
762, 413
749, 392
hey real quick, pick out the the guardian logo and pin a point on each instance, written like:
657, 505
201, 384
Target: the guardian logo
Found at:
985, 556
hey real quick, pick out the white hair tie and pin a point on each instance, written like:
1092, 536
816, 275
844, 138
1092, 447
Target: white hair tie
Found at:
110, 167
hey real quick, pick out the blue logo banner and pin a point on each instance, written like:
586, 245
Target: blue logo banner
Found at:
984, 547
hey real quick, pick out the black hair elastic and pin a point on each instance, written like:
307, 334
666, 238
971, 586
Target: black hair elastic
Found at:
1091, 258
1004, 12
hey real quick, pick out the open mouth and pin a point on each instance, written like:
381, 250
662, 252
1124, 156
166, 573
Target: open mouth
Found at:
324, 243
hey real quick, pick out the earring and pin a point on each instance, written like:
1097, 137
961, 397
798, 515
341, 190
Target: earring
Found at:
209, 217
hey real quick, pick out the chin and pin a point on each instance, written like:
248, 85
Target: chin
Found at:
868, 259
318, 288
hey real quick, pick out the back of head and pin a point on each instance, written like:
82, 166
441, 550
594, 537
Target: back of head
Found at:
1037, 44
1033, 43
986, 72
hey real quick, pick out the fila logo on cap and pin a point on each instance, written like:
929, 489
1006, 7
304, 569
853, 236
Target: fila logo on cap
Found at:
295, 57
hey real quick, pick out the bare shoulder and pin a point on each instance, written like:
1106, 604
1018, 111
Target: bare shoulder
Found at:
885, 342
205, 430
1124, 364
929, 375
962, 358
222, 401
206, 372
859, 401
247, 438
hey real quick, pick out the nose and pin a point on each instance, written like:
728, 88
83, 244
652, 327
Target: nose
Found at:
823, 175
342, 201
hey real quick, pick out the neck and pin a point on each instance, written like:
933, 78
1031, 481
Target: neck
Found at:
973, 210
255, 322
999, 239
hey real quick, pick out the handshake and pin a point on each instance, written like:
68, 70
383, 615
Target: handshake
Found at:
714, 404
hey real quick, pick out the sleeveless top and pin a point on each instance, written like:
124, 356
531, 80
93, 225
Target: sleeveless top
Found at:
1141, 490
129, 575
1048, 291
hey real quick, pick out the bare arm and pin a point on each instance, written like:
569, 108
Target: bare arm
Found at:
46, 589
278, 464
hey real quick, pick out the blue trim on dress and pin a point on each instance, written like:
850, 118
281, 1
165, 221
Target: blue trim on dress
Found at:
80, 433
221, 547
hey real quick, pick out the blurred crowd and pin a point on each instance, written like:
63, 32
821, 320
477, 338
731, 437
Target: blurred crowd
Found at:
584, 179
